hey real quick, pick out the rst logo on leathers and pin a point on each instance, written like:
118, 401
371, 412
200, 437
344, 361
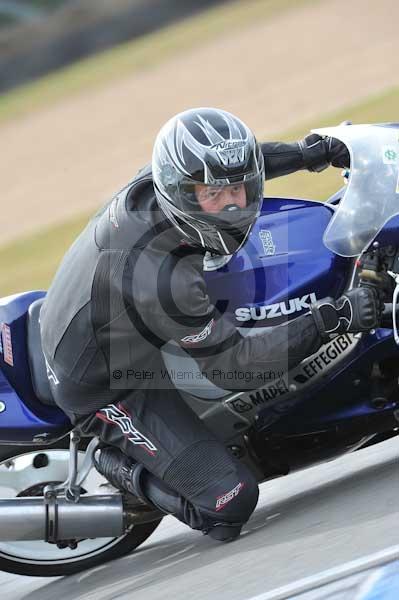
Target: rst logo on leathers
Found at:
221, 501
201, 336
116, 415
272, 311
51, 376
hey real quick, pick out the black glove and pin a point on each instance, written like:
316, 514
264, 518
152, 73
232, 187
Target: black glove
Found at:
321, 152
358, 310
338, 153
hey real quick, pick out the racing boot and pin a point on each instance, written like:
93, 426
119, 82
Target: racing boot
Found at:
122, 473
128, 476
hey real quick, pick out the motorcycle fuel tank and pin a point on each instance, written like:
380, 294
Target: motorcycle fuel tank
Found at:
282, 268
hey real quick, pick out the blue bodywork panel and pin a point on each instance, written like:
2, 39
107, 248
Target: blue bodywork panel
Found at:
292, 262
25, 419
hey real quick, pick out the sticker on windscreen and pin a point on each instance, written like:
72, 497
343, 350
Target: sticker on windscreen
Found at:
390, 155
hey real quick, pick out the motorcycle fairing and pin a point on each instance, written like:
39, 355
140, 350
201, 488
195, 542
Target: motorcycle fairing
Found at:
24, 419
344, 395
371, 198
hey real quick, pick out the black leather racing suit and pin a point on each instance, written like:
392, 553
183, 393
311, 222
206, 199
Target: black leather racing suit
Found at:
128, 284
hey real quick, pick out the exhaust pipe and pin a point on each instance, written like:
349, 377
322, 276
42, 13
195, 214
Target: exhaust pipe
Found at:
58, 519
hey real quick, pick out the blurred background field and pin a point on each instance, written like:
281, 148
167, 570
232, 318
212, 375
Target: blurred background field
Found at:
144, 52
14, 12
39, 37
72, 138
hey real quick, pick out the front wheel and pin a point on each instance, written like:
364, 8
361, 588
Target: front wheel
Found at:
25, 471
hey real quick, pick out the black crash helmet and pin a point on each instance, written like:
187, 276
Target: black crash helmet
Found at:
202, 157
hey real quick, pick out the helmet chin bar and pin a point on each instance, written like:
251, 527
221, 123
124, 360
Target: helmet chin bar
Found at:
224, 248
197, 237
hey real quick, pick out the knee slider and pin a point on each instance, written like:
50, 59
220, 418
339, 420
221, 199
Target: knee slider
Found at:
225, 533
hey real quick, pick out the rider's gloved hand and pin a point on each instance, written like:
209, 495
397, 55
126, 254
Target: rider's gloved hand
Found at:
358, 310
321, 152
338, 153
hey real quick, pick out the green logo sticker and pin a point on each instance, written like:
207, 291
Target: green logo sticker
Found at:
390, 155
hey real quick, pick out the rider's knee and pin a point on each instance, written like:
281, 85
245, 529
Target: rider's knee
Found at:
230, 503
222, 490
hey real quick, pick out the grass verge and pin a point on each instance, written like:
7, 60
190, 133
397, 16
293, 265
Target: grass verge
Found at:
145, 52
30, 263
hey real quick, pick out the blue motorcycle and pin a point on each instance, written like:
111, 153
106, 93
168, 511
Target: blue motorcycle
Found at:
58, 516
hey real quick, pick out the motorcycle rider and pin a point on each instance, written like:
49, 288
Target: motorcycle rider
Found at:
133, 280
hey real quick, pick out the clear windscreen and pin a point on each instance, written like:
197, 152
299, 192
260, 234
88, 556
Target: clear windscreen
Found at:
372, 193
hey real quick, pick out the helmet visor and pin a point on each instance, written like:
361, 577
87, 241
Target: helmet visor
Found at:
222, 214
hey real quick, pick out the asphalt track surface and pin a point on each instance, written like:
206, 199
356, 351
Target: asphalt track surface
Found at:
305, 523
